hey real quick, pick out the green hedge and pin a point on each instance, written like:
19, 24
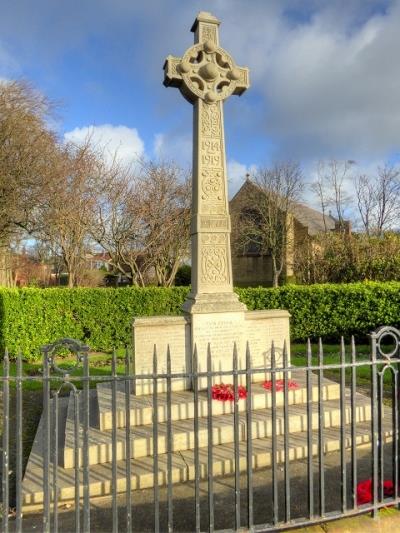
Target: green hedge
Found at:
331, 310
103, 317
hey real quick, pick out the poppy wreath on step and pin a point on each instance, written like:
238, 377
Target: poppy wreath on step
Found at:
280, 385
364, 491
226, 393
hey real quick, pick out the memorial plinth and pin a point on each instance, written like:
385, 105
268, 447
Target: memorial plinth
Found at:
206, 76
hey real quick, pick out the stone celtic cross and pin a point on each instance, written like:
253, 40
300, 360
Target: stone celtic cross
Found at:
206, 76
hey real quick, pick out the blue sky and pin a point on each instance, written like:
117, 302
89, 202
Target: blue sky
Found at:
325, 75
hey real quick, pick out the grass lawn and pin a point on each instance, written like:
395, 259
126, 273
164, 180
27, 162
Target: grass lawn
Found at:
332, 356
100, 365
331, 353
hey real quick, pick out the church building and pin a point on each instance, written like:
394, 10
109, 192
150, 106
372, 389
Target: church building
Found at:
252, 267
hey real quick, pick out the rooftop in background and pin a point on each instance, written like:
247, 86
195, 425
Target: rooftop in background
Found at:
312, 219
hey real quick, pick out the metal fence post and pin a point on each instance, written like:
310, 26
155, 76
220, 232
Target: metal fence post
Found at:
6, 442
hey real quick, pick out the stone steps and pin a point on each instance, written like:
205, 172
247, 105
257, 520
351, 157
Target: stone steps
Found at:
182, 406
183, 436
183, 468
141, 443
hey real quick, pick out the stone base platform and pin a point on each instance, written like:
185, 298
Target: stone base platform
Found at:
221, 331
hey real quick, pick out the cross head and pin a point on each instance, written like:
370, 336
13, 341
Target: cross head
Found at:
206, 70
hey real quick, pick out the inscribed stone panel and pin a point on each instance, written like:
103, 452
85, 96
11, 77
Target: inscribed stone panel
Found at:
161, 331
263, 328
221, 330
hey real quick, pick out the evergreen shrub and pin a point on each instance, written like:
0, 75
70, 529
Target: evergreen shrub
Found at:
102, 317
331, 310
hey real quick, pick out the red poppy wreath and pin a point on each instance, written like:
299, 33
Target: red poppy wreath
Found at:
364, 491
280, 385
224, 392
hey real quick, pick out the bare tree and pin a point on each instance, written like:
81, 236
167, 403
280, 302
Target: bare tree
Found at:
67, 205
387, 198
69, 199
319, 188
117, 224
330, 188
28, 148
142, 221
378, 200
366, 201
166, 200
267, 222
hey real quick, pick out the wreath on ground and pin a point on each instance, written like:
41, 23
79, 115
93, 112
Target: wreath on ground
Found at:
364, 491
280, 385
225, 392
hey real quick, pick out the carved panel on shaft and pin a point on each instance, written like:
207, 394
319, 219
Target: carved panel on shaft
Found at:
211, 184
208, 33
210, 121
214, 258
211, 160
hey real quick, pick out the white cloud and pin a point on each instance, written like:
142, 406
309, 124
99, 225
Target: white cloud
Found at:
324, 74
120, 140
237, 174
173, 147
331, 88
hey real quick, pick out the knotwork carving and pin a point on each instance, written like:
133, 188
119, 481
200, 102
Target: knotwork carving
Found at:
211, 184
211, 121
214, 264
209, 72
208, 33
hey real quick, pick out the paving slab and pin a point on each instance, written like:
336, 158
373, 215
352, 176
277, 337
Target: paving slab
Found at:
224, 494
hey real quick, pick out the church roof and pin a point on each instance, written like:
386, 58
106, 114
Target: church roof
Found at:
312, 219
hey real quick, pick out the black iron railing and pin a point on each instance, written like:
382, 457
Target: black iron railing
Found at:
258, 446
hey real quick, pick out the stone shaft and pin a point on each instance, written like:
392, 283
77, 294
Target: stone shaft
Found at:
206, 76
211, 255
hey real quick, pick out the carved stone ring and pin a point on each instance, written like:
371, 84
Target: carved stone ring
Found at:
209, 72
